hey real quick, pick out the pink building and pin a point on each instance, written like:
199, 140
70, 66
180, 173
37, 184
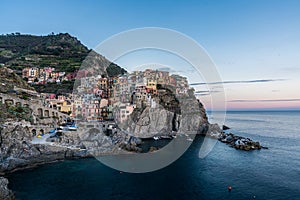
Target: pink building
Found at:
52, 96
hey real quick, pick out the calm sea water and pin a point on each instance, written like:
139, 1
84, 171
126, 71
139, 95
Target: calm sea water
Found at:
264, 174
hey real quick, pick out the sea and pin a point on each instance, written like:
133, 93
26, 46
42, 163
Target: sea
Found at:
272, 173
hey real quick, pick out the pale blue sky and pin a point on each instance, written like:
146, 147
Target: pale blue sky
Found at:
247, 39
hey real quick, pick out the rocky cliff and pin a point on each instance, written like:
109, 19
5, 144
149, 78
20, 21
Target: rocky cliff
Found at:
174, 114
149, 122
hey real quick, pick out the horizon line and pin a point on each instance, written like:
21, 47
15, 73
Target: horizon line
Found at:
256, 110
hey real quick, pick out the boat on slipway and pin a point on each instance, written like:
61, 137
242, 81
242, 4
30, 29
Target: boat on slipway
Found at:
69, 126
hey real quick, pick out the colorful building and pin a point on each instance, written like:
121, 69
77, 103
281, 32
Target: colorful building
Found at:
151, 86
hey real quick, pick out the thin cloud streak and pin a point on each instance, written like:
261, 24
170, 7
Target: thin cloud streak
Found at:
202, 91
234, 82
205, 92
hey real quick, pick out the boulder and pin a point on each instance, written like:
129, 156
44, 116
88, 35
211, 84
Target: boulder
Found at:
5, 193
239, 142
224, 127
214, 130
203, 129
152, 149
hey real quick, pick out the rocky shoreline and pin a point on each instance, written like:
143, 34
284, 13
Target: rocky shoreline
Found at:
5, 193
19, 152
234, 141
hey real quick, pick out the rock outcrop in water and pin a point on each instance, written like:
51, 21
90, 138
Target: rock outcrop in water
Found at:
234, 141
5, 193
239, 142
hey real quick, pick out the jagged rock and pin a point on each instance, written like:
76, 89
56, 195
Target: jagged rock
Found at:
130, 147
17, 151
188, 117
5, 193
151, 121
152, 149
214, 131
239, 142
203, 129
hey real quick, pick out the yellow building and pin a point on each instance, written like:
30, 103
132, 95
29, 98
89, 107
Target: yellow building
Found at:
151, 86
66, 106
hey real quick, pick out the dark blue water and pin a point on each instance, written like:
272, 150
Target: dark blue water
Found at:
264, 174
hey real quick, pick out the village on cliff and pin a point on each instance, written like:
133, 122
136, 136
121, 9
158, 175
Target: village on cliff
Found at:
103, 98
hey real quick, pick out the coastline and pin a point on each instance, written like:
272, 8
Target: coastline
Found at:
65, 153
239, 173
71, 154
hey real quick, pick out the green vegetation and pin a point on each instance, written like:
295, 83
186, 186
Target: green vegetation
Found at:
8, 80
61, 51
64, 87
19, 112
115, 70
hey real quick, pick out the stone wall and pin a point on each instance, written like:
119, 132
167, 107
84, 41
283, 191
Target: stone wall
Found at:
41, 114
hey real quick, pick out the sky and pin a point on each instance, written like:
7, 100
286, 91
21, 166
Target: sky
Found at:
254, 44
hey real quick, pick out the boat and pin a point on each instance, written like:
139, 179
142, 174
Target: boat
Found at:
63, 127
52, 131
72, 128
156, 138
59, 130
41, 134
69, 126
189, 139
